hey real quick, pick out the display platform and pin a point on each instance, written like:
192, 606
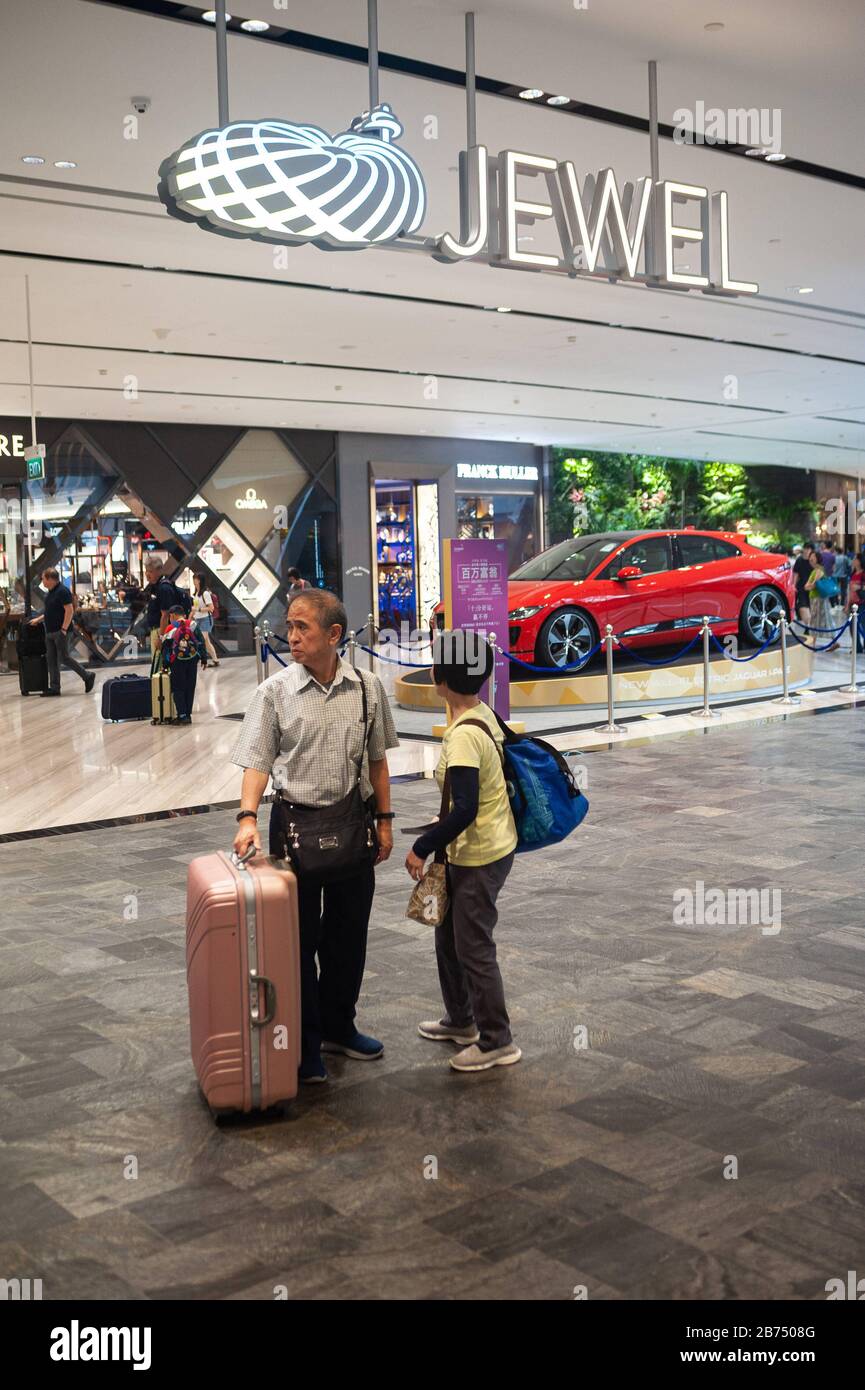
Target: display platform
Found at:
681, 682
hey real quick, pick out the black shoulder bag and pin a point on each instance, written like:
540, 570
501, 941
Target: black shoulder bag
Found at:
330, 843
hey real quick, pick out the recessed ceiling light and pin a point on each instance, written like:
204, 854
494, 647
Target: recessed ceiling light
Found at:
557, 101
65, 164
209, 17
800, 289
757, 153
713, 27
255, 26
32, 159
531, 93
502, 309
775, 158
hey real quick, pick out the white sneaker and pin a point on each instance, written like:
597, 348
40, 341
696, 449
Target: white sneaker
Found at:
446, 1032
472, 1059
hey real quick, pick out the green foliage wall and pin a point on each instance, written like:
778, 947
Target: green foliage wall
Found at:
624, 492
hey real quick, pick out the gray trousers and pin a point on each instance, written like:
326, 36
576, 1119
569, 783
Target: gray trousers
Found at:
57, 653
469, 974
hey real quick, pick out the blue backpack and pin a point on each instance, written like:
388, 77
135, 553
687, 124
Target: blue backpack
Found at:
545, 800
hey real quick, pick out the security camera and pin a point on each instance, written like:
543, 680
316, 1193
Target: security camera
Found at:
140, 105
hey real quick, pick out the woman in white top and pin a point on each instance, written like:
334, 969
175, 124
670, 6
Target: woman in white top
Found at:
202, 614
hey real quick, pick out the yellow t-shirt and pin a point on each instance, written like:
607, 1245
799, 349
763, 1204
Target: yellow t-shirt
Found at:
492, 834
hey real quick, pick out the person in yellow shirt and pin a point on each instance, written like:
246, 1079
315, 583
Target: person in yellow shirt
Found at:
480, 838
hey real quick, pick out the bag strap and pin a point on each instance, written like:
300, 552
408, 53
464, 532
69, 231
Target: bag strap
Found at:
481, 724
367, 725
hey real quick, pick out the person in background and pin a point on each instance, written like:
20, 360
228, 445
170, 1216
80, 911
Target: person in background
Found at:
821, 616
802, 568
57, 617
480, 838
160, 600
826, 557
182, 649
842, 572
856, 594
295, 583
202, 615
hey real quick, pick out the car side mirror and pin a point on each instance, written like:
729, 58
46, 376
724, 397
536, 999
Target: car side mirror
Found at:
629, 572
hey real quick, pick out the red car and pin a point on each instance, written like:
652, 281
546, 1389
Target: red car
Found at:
652, 587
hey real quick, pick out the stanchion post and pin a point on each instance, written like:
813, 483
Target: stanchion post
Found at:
352, 647
852, 688
706, 712
370, 637
265, 649
786, 698
259, 670
611, 727
491, 638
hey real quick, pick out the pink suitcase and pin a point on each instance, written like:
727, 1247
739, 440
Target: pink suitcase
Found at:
243, 973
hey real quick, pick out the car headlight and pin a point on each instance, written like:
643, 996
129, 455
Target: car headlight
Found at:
519, 614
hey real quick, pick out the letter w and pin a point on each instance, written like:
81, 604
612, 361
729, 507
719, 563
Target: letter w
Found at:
625, 229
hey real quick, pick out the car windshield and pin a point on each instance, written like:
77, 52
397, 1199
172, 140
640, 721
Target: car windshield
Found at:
572, 559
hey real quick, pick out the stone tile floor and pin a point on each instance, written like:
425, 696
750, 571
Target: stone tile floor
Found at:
711, 1049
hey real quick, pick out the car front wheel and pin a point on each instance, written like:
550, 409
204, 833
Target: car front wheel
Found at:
565, 638
761, 615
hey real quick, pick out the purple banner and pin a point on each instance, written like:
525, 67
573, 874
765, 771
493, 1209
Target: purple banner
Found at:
479, 602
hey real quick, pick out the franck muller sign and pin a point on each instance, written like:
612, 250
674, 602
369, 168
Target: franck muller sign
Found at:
275, 181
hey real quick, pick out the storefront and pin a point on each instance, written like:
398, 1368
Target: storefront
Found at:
416, 492
363, 515
238, 506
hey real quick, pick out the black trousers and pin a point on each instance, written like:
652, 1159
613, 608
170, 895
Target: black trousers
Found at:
469, 974
334, 923
183, 675
57, 652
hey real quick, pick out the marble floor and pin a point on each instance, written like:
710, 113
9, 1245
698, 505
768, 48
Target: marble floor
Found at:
63, 765
688, 1120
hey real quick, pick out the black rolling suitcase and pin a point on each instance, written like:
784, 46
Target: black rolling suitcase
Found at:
32, 661
126, 697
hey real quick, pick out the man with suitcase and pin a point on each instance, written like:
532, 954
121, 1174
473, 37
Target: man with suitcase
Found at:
321, 730
162, 595
57, 617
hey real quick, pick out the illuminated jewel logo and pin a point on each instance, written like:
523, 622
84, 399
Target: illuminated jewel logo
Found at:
276, 181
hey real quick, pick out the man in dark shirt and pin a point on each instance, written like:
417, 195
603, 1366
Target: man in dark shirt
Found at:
802, 567
57, 618
161, 596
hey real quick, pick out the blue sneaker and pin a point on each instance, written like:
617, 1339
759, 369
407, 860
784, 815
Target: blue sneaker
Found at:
362, 1048
309, 1072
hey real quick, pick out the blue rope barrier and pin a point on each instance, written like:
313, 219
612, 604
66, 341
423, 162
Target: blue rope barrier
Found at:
417, 665
825, 648
824, 630
553, 670
267, 651
753, 656
668, 661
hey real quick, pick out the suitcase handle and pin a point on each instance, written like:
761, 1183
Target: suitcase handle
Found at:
238, 860
269, 1000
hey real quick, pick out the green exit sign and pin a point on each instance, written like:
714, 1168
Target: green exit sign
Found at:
34, 457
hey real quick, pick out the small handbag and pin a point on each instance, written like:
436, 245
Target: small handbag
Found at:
430, 898
336, 842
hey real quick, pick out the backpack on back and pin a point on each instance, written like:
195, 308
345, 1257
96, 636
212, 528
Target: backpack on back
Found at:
183, 597
182, 646
545, 800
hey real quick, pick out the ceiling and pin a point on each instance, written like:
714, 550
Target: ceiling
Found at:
138, 316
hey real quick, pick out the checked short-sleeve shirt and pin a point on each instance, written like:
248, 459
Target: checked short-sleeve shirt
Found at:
309, 738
